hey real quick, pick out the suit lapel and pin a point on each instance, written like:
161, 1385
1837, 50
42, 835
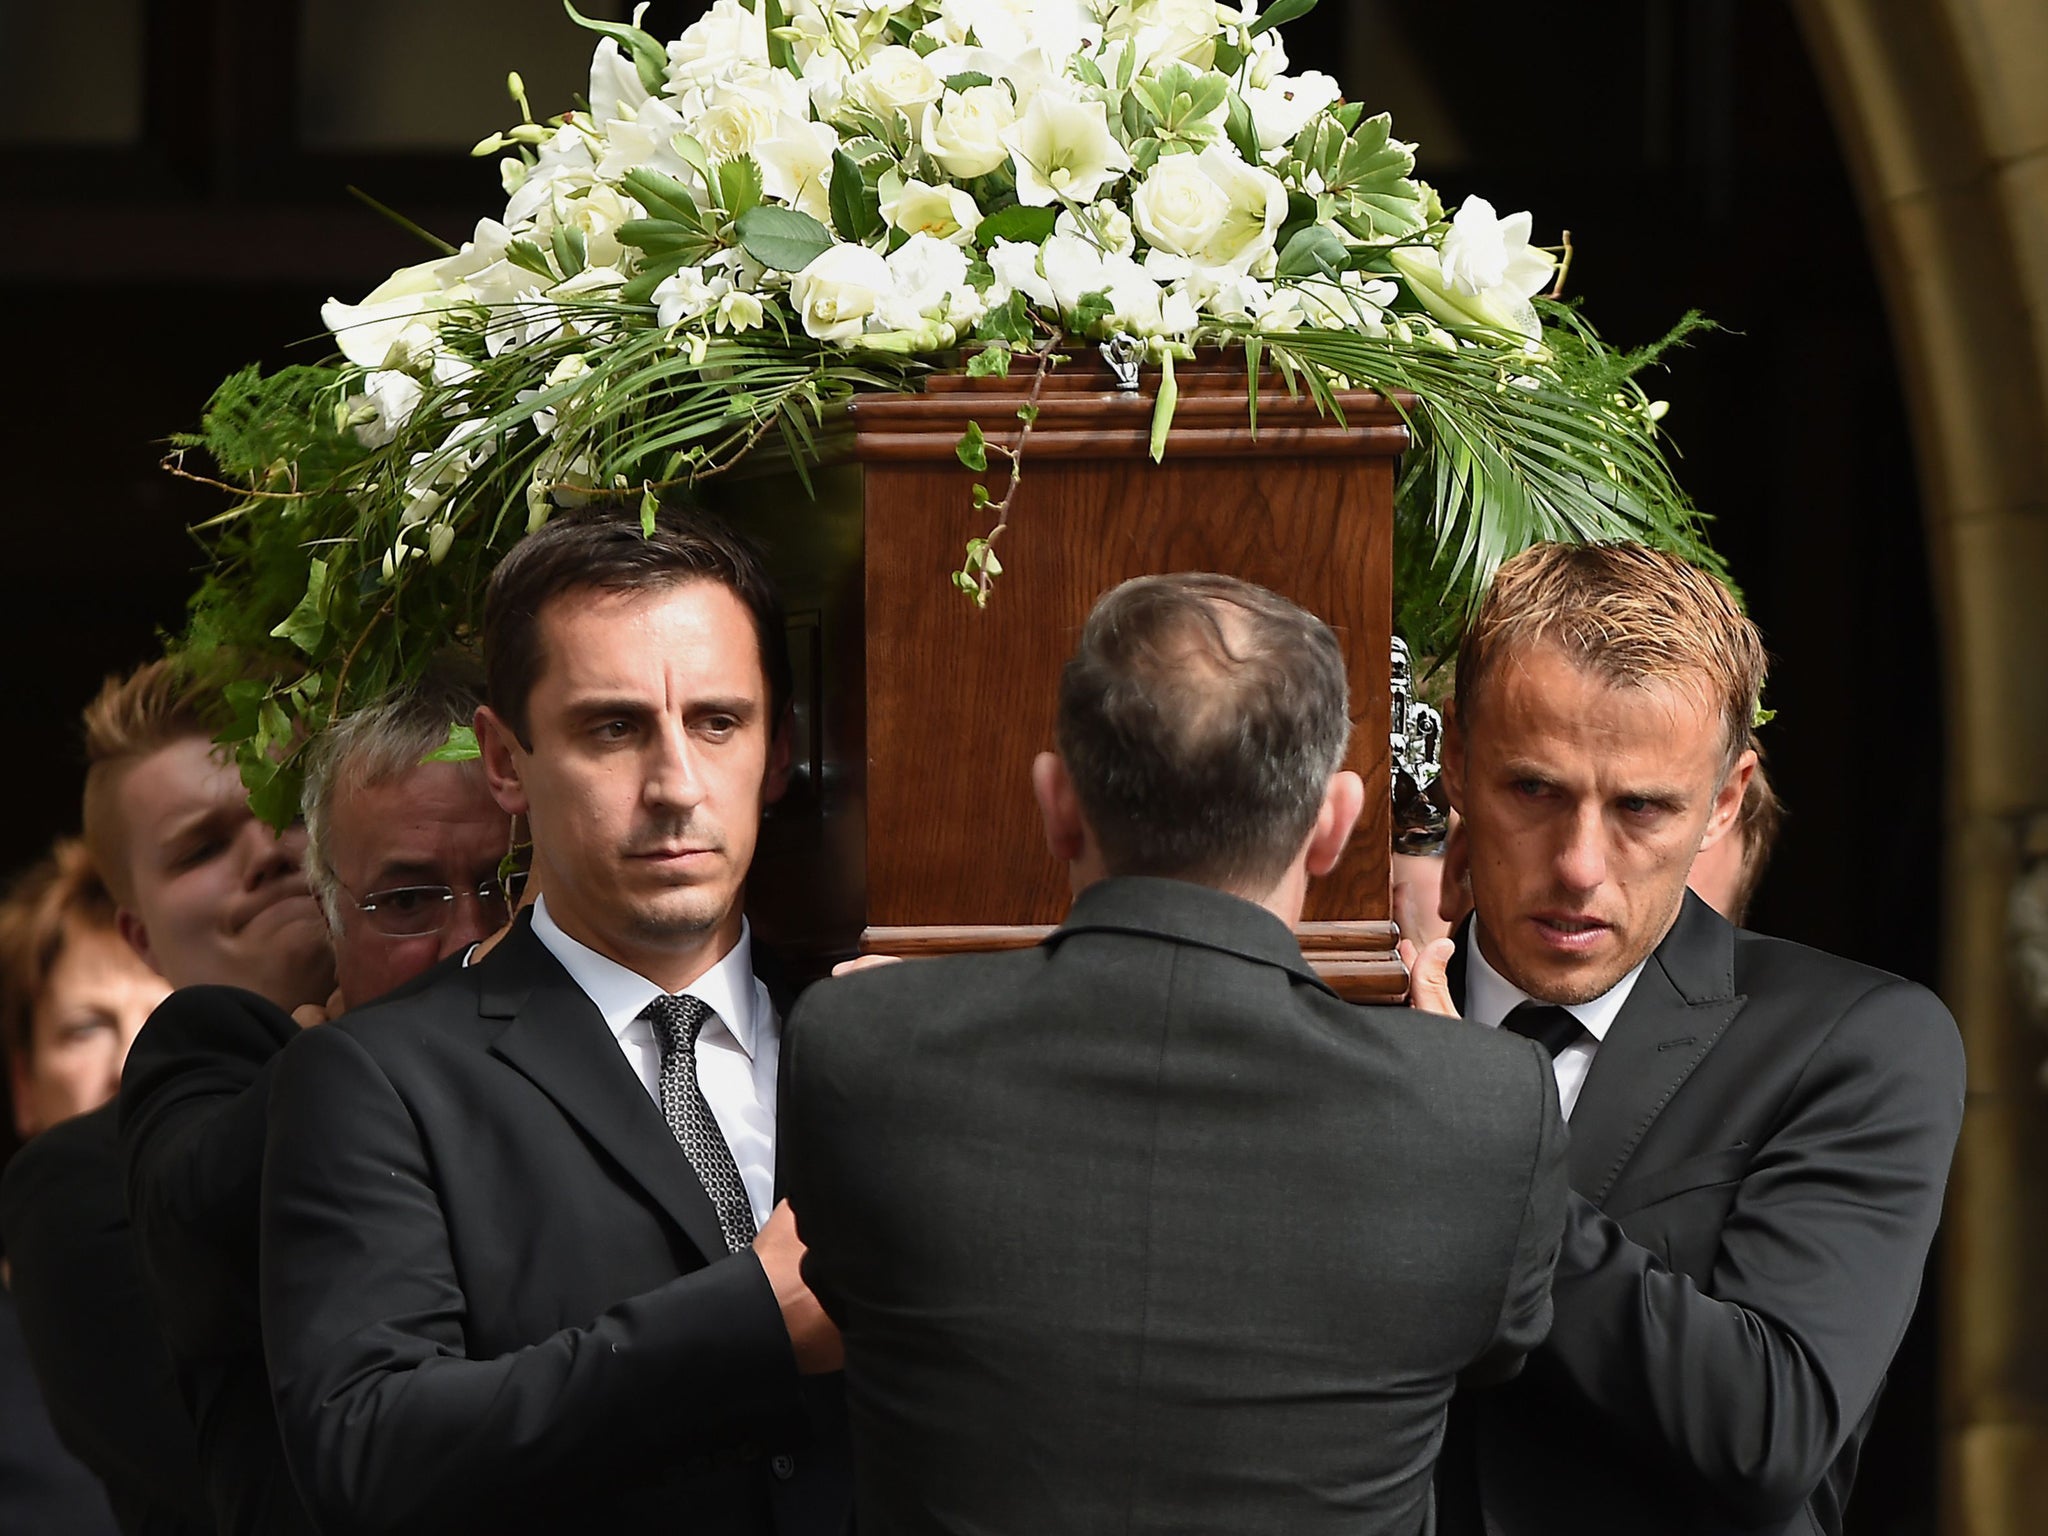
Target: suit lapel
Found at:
557, 1039
1681, 1004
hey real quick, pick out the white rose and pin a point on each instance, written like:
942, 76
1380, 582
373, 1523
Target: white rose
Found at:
1169, 31
964, 129
826, 75
896, 79
924, 274
728, 35
949, 213
1178, 207
1258, 207
1280, 110
734, 127
1060, 28
839, 290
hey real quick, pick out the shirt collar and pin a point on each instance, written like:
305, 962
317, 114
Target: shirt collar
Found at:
621, 994
1490, 997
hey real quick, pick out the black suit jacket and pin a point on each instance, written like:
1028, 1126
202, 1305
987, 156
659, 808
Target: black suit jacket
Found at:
495, 1297
1144, 1230
1758, 1157
91, 1335
193, 1094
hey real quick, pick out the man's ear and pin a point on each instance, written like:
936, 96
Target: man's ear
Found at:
1343, 801
130, 926
1059, 807
1728, 799
1452, 771
781, 758
502, 757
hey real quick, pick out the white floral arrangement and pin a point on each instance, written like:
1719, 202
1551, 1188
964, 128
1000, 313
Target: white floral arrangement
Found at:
799, 199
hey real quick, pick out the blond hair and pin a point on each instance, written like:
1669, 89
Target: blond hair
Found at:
155, 705
1626, 612
35, 914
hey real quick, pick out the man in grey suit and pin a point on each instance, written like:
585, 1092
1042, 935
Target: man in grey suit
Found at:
1143, 1229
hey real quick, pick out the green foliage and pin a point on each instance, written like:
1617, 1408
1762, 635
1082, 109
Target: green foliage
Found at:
784, 239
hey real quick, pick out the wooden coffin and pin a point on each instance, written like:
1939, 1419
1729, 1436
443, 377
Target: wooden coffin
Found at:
909, 828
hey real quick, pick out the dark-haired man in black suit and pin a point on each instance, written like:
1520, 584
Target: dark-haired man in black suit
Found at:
1143, 1229
521, 1265
1760, 1133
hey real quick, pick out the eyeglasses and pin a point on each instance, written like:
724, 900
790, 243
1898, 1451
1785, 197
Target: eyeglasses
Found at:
413, 911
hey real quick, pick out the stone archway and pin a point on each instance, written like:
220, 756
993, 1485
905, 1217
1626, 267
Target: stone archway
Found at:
1942, 107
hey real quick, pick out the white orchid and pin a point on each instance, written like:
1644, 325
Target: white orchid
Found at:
387, 402
687, 294
1063, 150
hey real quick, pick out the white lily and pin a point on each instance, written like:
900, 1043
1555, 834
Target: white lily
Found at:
369, 333
385, 405
1063, 150
947, 213
1485, 275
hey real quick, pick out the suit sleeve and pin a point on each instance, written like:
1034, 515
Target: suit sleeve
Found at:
193, 1096
389, 1425
1752, 1382
1525, 1312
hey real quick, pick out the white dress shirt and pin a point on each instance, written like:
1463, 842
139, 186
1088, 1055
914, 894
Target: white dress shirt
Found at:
738, 1048
1490, 997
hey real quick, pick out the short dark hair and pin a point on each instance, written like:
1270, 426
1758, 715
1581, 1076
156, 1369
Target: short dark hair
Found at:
609, 551
1200, 720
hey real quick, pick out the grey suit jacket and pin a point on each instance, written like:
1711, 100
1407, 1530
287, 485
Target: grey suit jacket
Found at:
1145, 1230
1757, 1163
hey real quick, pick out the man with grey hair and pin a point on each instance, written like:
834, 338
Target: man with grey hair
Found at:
403, 854
1143, 1229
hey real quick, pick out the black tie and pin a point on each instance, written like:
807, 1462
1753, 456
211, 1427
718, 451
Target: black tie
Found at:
677, 1022
1548, 1025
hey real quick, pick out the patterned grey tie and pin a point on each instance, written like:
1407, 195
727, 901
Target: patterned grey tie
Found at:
677, 1022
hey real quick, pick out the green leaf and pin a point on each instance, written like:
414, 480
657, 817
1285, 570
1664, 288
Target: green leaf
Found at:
661, 195
780, 53
1016, 222
1163, 407
739, 184
856, 209
460, 747
1237, 123
990, 362
653, 273
972, 449
524, 253
570, 249
967, 79
1317, 251
1093, 310
1371, 181
782, 239
649, 58
650, 507
1229, 57
1008, 321
661, 237
691, 153
275, 800
306, 625
1279, 13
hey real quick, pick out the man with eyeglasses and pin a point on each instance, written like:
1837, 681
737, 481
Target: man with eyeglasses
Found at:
403, 854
